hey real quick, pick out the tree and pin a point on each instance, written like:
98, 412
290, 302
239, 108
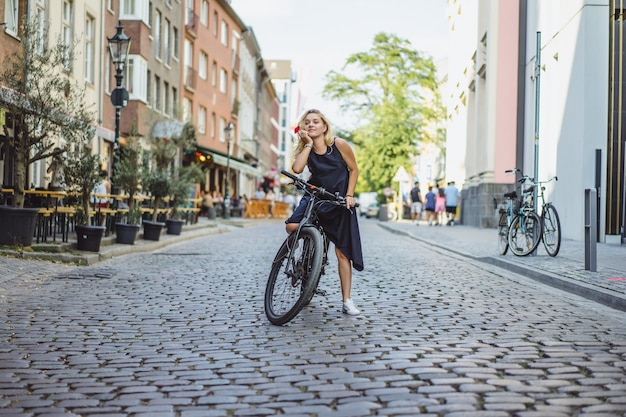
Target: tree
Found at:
395, 91
43, 104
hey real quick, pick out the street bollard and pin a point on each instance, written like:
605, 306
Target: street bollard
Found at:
591, 233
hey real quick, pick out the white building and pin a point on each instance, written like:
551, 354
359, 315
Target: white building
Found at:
502, 116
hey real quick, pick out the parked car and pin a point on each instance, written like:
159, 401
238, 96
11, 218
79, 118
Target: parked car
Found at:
372, 210
365, 200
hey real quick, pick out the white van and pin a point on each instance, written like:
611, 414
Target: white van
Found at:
365, 200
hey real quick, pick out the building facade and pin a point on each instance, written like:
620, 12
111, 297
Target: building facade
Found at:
528, 89
183, 76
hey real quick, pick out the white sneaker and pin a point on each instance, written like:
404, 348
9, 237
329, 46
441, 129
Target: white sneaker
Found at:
349, 307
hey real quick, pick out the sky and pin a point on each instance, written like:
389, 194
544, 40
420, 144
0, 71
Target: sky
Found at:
318, 36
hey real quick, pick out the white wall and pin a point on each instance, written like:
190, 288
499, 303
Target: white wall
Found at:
573, 101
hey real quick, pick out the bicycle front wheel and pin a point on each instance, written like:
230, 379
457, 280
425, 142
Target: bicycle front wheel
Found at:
524, 233
503, 235
294, 276
551, 230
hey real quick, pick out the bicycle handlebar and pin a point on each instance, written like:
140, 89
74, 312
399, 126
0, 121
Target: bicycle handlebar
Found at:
314, 190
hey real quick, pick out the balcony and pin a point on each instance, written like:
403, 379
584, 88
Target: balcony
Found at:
191, 22
191, 78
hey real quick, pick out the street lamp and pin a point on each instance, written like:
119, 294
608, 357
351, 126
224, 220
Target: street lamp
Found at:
119, 49
228, 136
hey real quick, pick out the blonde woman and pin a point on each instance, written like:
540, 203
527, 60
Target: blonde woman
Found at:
333, 166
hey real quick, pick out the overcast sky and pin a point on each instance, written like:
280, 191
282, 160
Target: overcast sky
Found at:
319, 36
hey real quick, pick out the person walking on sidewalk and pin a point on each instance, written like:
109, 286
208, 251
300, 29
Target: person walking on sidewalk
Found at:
440, 206
333, 166
429, 207
452, 199
416, 203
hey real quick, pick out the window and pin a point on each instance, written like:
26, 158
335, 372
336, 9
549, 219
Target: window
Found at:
215, 24
157, 93
187, 109
89, 48
224, 33
213, 121
157, 34
11, 16
204, 13
223, 125
202, 120
40, 18
223, 80
166, 97
166, 42
214, 74
188, 74
135, 10
204, 64
149, 88
66, 33
189, 13
175, 102
175, 43
135, 78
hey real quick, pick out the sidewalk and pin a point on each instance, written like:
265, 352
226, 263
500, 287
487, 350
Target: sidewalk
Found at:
67, 253
566, 271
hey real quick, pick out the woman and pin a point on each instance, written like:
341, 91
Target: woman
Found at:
333, 166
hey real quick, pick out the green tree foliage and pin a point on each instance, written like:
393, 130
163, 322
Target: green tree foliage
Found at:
394, 92
43, 102
127, 174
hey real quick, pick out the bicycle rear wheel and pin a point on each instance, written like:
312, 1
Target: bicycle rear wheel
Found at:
551, 230
524, 233
503, 235
293, 279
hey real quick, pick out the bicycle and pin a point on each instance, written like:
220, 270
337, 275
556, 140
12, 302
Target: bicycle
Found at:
550, 223
301, 259
525, 228
506, 217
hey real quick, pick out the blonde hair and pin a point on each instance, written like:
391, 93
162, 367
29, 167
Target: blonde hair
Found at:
328, 136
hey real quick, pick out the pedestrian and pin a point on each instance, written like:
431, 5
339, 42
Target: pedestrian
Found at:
333, 166
440, 206
56, 171
416, 203
452, 199
101, 194
429, 207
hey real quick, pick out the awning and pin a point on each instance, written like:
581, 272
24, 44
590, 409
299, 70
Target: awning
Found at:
167, 129
235, 163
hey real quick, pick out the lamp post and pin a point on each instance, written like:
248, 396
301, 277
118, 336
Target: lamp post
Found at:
228, 136
119, 48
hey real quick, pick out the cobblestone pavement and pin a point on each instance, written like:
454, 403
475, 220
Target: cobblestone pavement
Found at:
181, 332
567, 271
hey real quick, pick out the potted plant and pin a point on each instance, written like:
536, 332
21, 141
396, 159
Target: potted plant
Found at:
41, 105
127, 176
81, 175
180, 192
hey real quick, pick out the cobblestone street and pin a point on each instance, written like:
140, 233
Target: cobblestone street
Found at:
181, 332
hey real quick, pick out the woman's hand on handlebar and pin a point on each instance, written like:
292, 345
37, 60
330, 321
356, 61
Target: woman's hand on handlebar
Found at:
350, 202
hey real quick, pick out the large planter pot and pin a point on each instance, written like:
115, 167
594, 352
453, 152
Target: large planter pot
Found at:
89, 237
17, 225
174, 226
126, 233
211, 212
152, 230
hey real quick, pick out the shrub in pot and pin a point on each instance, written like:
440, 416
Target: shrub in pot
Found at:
44, 106
127, 176
179, 193
81, 176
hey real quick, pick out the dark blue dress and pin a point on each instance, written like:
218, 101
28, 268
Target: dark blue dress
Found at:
331, 172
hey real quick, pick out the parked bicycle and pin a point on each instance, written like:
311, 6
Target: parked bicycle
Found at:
519, 226
301, 259
550, 223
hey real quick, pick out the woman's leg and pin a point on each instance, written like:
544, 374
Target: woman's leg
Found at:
345, 274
